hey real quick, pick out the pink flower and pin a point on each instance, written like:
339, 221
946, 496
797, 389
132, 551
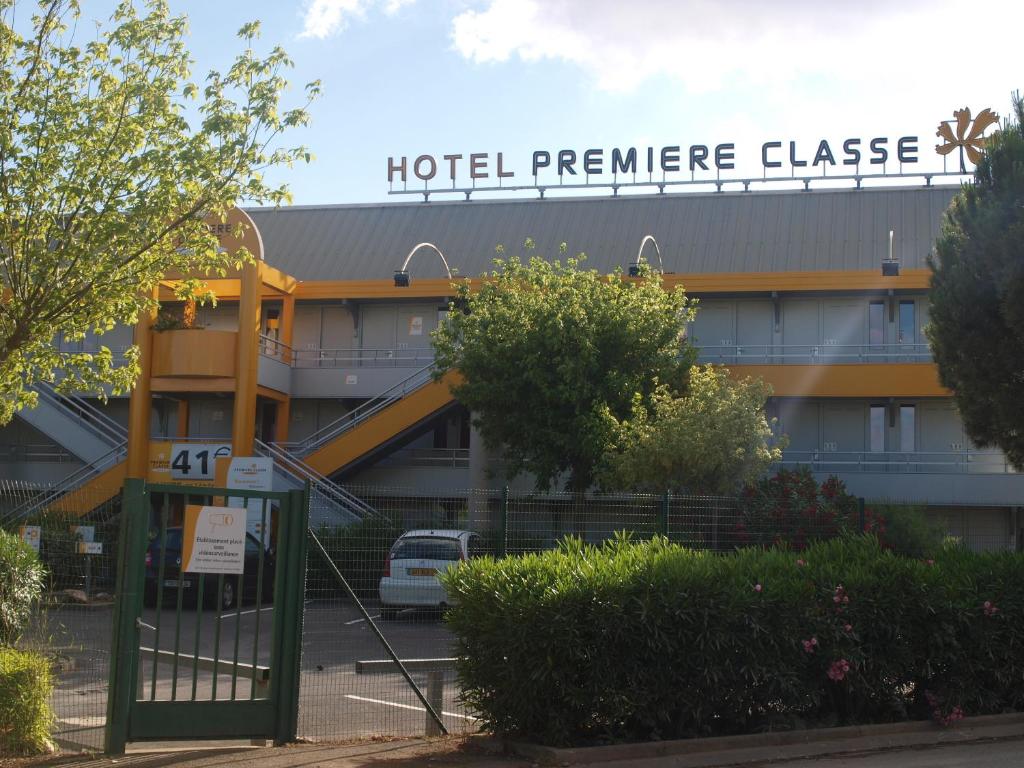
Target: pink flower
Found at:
810, 645
989, 609
758, 587
848, 627
930, 562
838, 670
835, 599
801, 562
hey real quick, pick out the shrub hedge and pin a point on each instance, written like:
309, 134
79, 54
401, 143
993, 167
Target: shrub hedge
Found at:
21, 584
25, 715
647, 640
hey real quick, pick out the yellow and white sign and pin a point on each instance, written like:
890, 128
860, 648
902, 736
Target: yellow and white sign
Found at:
213, 540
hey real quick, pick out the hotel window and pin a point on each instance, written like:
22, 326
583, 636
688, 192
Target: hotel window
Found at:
907, 325
876, 323
907, 417
877, 428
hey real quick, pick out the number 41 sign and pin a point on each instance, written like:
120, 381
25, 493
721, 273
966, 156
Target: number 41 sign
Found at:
196, 461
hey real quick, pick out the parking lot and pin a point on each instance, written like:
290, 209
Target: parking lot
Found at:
335, 702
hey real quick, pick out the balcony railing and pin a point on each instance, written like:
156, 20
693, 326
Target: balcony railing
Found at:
810, 354
435, 458
945, 463
346, 358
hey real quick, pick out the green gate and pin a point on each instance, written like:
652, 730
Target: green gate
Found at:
201, 650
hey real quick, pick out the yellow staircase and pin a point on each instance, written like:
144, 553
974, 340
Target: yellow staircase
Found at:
397, 417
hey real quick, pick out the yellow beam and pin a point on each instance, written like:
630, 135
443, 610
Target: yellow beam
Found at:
848, 380
711, 282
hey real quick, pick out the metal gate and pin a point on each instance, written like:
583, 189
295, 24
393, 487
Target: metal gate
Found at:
205, 646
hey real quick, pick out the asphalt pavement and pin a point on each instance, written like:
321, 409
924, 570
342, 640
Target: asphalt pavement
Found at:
335, 704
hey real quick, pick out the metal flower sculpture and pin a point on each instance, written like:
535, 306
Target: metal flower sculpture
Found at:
972, 142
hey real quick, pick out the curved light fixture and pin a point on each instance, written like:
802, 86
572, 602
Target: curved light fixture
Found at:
634, 268
402, 279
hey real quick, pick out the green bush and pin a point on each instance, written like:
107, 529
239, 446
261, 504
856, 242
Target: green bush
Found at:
647, 640
21, 583
908, 531
790, 507
25, 714
358, 550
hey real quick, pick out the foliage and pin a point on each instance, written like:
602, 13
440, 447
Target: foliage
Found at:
711, 440
359, 552
647, 640
25, 714
21, 584
549, 351
976, 326
110, 157
791, 508
909, 531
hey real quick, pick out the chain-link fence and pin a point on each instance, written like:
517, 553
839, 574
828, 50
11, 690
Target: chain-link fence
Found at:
77, 541
390, 598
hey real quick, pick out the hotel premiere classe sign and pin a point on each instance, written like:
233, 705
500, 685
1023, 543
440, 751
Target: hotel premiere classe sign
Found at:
853, 158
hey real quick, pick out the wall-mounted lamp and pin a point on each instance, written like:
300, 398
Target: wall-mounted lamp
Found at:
890, 266
402, 279
634, 268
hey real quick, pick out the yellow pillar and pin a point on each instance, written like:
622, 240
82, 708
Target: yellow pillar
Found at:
287, 335
288, 326
141, 404
243, 428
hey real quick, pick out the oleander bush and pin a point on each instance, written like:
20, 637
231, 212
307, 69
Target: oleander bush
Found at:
647, 640
21, 583
25, 714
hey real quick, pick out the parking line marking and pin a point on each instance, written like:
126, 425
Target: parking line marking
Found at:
356, 621
242, 613
405, 706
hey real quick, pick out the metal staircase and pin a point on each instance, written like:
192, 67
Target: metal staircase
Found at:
329, 503
359, 415
71, 421
82, 429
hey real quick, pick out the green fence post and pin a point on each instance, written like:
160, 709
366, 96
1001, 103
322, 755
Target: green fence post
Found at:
503, 529
128, 602
290, 602
663, 509
860, 513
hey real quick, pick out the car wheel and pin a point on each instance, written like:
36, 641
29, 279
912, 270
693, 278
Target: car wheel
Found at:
227, 596
388, 614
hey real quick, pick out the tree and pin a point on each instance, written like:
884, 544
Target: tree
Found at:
713, 439
549, 351
110, 158
976, 326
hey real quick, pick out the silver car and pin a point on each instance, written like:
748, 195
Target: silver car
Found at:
410, 572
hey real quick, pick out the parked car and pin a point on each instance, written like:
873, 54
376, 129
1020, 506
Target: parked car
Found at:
228, 596
410, 571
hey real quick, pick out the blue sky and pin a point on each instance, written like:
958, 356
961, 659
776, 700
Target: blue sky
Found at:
411, 77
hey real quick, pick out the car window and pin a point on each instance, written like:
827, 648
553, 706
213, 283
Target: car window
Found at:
426, 549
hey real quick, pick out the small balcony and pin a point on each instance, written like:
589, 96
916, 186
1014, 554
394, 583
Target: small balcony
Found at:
194, 353
971, 478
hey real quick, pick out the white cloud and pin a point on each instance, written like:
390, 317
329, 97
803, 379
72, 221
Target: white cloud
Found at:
324, 18
711, 45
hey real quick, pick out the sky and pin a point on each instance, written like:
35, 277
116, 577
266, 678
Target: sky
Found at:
436, 77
